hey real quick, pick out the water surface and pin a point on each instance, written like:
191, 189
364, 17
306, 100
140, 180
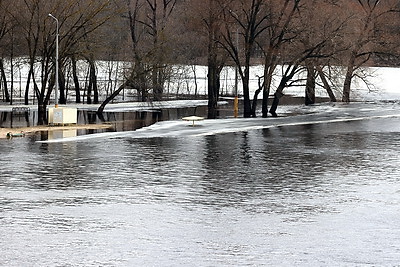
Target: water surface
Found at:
306, 195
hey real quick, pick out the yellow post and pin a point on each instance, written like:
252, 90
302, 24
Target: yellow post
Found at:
236, 106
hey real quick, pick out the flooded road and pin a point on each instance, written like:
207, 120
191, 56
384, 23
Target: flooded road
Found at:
309, 194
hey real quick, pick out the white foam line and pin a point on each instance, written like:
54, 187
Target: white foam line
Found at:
110, 134
259, 127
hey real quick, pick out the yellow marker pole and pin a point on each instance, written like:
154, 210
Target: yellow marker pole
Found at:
236, 106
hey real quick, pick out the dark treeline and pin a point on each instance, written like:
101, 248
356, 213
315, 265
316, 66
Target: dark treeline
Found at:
292, 36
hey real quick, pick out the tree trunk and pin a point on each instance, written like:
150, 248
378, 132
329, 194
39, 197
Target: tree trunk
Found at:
92, 87
76, 81
246, 96
266, 92
143, 88
254, 104
327, 87
347, 86
289, 73
157, 83
42, 118
255, 98
135, 75
158, 92
213, 89
349, 77
269, 68
111, 97
277, 96
89, 92
213, 75
42, 100
95, 89
195, 81
89, 88
310, 86
49, 91
61, 86
93, 82
30, 76
4, 78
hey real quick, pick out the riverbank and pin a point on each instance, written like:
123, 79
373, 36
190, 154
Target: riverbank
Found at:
5, 132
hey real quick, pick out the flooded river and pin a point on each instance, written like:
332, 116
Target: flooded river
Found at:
317, 193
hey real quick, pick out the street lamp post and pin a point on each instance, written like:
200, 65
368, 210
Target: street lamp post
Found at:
56, 82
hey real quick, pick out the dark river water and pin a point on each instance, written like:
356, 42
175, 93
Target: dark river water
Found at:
315, 194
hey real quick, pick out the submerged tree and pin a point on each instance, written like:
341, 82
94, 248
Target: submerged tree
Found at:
249, 18
280, 31
310, 42
301, 38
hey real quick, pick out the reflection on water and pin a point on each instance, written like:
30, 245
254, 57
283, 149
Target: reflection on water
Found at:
59, 134
123, 121
322, 194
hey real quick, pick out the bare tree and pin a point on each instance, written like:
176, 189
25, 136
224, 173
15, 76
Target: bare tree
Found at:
303, 39
301, 51
320, 26
137, 77
280, 31
76, 20
6, 27
81, 38
365, 35
156, 22
250, 18
148, 27
215, 62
